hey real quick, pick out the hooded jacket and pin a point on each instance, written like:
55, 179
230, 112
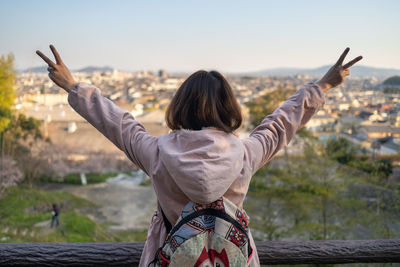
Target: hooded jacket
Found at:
199, 166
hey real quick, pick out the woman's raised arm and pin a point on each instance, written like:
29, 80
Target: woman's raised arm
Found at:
278, 128
117, 125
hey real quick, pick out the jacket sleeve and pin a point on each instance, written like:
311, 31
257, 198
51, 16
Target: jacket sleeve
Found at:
119, 126
277, 129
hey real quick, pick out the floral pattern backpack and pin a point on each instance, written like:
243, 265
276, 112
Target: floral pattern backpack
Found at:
214, 234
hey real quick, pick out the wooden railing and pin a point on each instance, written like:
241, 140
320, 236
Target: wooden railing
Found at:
270, 252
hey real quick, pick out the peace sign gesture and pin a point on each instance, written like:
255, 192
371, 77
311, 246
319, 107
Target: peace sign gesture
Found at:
58, 72
337, 73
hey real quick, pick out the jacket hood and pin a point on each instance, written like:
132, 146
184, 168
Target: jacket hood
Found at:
202, 163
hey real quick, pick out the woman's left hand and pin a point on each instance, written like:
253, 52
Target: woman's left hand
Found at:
58, 72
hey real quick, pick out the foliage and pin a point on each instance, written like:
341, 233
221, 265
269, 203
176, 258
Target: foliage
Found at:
344, 152
302, 197
18, 141
16, 130
318, 198
265, 105
7, 93
341, 150
391, 90
381, 168
19, 129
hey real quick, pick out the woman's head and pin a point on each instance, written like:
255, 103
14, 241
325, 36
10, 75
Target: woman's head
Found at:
205, 99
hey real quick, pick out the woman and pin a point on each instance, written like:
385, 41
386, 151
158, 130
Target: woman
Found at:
201, 159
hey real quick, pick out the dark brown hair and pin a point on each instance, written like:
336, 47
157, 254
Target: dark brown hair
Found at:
205, 99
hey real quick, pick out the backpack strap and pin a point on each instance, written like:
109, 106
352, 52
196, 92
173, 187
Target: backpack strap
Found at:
212, 212
168, 225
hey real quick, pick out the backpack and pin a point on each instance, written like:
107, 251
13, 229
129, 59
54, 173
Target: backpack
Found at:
214, 234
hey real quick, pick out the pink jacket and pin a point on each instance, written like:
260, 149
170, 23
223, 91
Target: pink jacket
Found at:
199, 166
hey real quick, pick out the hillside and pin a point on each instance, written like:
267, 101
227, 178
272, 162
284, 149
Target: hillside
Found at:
395, 80
25, 214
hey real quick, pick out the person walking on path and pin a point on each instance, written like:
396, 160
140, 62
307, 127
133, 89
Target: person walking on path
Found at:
55, 218
202, 159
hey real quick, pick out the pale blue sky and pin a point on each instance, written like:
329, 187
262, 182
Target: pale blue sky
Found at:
189, 35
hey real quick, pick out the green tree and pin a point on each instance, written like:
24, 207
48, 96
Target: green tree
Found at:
7, 92
265, 105
15, 136
341, 150
13, 127
16, 130
318, 199
345, 152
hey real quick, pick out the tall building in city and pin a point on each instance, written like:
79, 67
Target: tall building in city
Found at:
162, 74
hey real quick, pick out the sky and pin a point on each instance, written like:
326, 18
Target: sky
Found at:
187, 35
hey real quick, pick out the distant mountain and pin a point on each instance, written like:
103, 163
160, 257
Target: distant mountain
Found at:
89, 69
356, 71
360, 71
35, 69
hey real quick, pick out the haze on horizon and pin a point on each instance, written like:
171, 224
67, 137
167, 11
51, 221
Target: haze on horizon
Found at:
230, 36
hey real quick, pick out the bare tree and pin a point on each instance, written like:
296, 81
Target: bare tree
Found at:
10, 174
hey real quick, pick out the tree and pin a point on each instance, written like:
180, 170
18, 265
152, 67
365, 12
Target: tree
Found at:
10, 174
261, 107
341, 150
16, 130
7, 92
319, 199
303, 203
345, 152
266, 105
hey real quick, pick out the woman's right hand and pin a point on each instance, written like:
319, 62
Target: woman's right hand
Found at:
337, 73
58, 72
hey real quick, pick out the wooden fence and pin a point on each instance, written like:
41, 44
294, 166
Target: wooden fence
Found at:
270, 252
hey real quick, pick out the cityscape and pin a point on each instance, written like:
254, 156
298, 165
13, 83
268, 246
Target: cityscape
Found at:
366, 111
